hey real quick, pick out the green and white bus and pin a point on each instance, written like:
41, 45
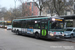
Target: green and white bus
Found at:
4, 24
39, 26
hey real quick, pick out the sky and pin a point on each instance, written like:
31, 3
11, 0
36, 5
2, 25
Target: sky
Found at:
9, 3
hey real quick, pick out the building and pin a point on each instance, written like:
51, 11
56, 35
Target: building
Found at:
33, 9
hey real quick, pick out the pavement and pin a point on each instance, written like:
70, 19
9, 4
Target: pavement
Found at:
11, 41
70, 40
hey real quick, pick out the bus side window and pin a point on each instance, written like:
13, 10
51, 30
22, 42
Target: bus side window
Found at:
23, 25
37, 25
27, 25
42, 25
46, 26
30, 24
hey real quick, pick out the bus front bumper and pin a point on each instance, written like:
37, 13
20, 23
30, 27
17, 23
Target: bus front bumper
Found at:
56, 37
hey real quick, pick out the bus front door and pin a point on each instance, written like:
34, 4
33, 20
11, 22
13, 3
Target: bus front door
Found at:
44, 28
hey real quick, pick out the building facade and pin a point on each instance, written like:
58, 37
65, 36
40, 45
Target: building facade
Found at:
32, 8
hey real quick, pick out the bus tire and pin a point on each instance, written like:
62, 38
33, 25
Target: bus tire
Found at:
37, 35
17, 32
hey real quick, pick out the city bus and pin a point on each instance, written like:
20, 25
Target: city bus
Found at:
39, 26
7, 23
4, 24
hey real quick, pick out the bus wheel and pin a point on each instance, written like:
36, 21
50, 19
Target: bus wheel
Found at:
36, 35
17, 32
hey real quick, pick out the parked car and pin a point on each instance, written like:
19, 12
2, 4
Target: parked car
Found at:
9, 27
69, 32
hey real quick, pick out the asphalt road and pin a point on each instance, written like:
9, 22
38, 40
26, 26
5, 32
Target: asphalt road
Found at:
10, 41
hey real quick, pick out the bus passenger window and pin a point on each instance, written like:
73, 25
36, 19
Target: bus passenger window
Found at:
46, 26
37, 26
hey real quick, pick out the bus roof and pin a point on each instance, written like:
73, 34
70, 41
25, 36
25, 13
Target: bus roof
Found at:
35, 17
6, 21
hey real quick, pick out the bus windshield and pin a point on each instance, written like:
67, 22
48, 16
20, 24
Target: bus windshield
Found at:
57, 25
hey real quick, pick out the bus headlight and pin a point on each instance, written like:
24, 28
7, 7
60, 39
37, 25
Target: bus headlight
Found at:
62, 34
51, 34
5, 26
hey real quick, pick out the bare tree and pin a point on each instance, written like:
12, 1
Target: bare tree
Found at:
2, 11
39, 4
59, 6
22, 1
55, 6
48, 4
